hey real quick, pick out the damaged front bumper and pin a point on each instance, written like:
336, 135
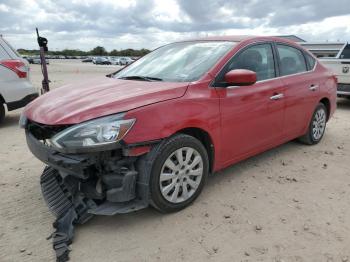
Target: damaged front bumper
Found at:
78, 186
103, 183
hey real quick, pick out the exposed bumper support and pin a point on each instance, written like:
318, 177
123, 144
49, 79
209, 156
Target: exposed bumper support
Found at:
123, 191
63, 235
78, 186
69, 209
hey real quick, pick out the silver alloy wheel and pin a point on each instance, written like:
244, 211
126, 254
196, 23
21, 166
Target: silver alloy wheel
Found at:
319, 124
181, 175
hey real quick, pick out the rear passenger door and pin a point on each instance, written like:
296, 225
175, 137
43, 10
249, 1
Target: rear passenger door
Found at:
301, 89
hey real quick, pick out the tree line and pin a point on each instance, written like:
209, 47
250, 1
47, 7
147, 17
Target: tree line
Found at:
97, 51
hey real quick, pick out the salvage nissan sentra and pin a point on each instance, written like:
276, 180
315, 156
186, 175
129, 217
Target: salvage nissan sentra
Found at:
152, 132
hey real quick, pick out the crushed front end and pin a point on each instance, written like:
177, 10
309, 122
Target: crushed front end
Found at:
77, 184
107, 179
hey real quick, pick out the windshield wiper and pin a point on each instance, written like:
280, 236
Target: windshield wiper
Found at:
144, 78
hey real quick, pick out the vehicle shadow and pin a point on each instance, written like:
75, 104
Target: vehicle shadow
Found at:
10, 120
343, 103
233, 173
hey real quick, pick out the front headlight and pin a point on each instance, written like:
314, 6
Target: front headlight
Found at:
91, 134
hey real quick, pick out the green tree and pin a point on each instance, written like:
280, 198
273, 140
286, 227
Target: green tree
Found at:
98, 50
114, 52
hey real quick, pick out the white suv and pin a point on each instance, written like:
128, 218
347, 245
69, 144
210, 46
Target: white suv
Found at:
16, 91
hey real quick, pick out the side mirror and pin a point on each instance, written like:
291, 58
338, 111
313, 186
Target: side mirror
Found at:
240, 77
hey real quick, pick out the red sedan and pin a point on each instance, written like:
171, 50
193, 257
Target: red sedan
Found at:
152, 132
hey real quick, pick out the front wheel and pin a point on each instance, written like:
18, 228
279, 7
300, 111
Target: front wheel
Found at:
317, 126
179, 171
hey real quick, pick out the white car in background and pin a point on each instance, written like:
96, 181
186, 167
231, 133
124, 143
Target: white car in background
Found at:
125, 60
336, 57
340, 65
16, 91
114, 60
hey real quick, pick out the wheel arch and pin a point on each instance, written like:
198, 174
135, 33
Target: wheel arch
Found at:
327, 104
205, 138
2, 100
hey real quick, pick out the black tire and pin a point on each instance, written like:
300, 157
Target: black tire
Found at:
151, 165
2, 113
309, 138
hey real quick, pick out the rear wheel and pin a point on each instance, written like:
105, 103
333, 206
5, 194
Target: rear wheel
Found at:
317, 126
2, 113
179, 171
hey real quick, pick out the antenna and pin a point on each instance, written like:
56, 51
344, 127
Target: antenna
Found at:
42, 41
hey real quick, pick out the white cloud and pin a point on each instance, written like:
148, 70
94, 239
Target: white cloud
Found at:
4, 8
150, 23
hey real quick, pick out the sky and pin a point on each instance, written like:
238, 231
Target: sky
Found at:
121, 24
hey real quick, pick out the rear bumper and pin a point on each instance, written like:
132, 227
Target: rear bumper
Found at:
343, 90
21, 103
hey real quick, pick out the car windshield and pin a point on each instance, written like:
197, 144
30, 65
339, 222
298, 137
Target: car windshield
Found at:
177, 62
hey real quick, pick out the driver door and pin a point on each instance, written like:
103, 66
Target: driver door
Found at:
251, 116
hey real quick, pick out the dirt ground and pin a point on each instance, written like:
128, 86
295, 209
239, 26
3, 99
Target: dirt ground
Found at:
291, 203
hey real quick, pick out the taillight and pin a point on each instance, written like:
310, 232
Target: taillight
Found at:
16, 66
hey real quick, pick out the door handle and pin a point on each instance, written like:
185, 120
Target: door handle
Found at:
277, 96
313, 87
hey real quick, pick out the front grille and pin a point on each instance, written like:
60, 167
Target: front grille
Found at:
344, 87
42, 132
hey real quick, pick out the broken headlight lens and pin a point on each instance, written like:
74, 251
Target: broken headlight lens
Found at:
93, 133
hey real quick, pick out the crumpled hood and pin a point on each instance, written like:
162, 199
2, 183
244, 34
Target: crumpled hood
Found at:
75, 103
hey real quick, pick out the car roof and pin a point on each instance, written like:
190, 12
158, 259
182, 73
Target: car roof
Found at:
241, 38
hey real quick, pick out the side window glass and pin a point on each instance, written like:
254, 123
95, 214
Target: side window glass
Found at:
311, 61
258, 58
346, 52
291, 60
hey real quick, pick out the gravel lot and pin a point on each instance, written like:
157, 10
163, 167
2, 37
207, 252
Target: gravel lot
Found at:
291, 203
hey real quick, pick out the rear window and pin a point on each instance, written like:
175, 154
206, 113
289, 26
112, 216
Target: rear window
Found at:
3, 54
346, 52
9, 49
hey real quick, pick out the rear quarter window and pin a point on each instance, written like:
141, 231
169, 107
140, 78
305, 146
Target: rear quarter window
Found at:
310, 60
